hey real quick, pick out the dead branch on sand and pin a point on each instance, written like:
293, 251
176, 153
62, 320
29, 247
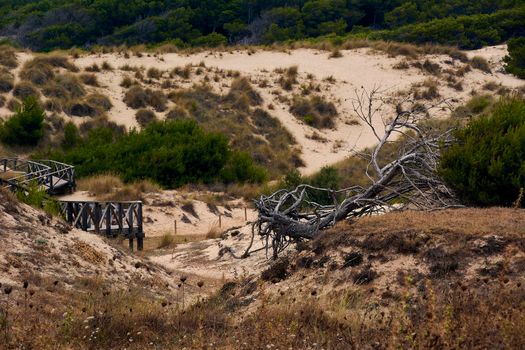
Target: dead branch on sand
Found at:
411, 180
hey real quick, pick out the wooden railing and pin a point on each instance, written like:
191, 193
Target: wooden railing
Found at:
109, 218
54, 176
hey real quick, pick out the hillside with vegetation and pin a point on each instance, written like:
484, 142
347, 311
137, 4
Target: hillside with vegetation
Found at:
306, 174
48, 24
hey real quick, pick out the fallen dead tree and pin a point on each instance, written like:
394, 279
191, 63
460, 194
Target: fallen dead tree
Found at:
411, 180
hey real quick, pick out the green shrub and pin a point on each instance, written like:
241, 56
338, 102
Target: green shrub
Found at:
171, 153
515, 61
26, 127
71, 136
486, 166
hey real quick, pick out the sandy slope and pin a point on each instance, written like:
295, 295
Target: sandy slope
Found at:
359, 68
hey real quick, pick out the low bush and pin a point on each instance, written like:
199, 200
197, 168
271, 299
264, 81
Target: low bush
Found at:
89, 79
242, 87
40, 69
136, 97
145, 117
485, 166
7, 82
100, 101
25, 89
26, 127
154, 73
8, 57
480, 63
515, 60
315, 111
177, 112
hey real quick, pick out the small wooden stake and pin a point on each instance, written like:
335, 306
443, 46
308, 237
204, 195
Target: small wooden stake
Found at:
175, 227
220, 220
245, 214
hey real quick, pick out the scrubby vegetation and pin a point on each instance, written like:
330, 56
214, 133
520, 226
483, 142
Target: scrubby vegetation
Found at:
171, 153
515, 61
238, 116
485, 167
314, 111
463, 23
26, 126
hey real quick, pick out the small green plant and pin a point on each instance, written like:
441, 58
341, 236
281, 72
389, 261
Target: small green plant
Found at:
26, 127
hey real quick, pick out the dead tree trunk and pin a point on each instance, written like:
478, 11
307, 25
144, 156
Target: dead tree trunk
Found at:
411, 180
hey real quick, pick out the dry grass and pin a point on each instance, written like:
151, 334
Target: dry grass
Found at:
40, 69
8, 57
89, 79
145, 116
167, 240
110, 187
137, 97
315, 111
25, 89
100, 101
7, 81
214, 231
480, 63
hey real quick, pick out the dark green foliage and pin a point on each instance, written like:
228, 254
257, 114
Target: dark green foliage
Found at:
26, 127
515, 61
71, 136
51, 24
487, 165
172, 153
470, 31
36, 196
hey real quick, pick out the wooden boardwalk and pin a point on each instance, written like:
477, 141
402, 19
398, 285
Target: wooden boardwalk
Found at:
109, 218
54, 177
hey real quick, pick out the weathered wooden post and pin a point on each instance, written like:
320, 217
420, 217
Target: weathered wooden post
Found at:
220, 220
140, 232
120, 218
96, 216
175, 227
84, 213
131, 234
245, 214
109, 209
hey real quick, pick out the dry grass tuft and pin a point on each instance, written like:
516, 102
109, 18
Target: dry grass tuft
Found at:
25, 89
145, 116
480, 63
89, 79
110, 187
7, 81
214, 232
166, 241
136, 97
315, 111
8, 57
100, 101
